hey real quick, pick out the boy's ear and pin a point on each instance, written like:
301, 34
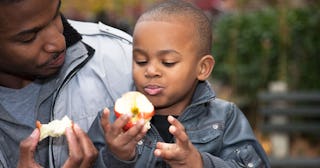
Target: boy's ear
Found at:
205, 67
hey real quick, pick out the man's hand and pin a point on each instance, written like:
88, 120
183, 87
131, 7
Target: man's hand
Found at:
82, 152
27, 150
122, 143
182, 153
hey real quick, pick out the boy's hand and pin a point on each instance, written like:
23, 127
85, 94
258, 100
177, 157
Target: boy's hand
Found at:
122, 144
182, 153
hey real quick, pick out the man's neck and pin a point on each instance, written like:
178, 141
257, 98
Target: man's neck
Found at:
14, 82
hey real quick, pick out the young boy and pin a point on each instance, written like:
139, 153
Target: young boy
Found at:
191, 128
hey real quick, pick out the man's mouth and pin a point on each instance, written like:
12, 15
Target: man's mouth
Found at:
58, 60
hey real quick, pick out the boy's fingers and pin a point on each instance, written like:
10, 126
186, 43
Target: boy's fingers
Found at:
133, 132
176, 123
105, 119
109, 130
165, 150
178, 131
117, 127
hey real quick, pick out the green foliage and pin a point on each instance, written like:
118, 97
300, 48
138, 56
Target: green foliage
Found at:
305, 49
252, 49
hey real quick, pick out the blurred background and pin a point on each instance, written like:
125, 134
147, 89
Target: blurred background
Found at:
267, 56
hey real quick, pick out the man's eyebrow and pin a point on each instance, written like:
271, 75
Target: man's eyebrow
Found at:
33, 30
38, 28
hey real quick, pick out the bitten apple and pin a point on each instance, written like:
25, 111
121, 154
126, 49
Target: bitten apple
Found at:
136, 104
55, 128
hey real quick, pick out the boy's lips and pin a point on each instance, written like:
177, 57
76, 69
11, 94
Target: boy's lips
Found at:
153, 90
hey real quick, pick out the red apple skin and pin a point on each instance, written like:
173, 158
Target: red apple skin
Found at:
142, 115
133, 100
38, 124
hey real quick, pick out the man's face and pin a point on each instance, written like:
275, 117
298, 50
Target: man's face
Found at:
31, 41
165, 64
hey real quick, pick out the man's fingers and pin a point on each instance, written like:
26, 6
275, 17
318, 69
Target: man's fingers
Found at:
75, 151
88, 149
82, 152
27, 150
29, 144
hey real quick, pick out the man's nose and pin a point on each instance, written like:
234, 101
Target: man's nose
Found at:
55, 41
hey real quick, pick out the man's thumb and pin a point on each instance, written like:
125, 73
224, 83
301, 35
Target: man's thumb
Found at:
28, 147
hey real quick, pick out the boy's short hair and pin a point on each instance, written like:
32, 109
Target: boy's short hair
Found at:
179, 10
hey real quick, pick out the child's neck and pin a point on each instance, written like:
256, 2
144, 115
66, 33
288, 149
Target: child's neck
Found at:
175, 110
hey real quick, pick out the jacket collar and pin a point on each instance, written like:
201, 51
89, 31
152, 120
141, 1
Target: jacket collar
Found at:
77, 55
203, 93
71, 35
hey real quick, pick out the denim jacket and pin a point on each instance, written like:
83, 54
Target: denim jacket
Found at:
217, 128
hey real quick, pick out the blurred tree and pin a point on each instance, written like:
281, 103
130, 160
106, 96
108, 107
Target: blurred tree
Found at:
254, 48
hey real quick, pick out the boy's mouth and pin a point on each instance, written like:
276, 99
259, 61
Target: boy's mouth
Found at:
153, 90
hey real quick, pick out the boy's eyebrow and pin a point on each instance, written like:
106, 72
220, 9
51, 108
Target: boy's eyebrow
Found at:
167, 51
38, 28
140, 51
158, 53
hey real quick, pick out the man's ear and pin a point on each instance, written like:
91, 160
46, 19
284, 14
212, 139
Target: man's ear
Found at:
205, 67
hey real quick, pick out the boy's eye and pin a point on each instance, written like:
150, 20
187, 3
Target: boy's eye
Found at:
168, 64
141, 62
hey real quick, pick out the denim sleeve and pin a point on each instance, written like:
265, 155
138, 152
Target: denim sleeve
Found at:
239, 148
2, 160
246, 157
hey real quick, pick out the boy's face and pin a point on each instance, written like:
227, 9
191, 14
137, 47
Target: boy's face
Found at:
31, 41
165, 64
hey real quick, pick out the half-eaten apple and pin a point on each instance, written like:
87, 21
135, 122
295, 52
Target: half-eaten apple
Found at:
55, 128
136, 104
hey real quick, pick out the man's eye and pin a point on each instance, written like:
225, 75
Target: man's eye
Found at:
28, 40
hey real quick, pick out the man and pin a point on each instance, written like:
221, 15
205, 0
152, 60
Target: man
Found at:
49, 70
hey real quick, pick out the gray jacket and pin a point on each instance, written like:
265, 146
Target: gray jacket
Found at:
217, 128
97, 70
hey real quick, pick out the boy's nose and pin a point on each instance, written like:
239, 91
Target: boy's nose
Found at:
152, 71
